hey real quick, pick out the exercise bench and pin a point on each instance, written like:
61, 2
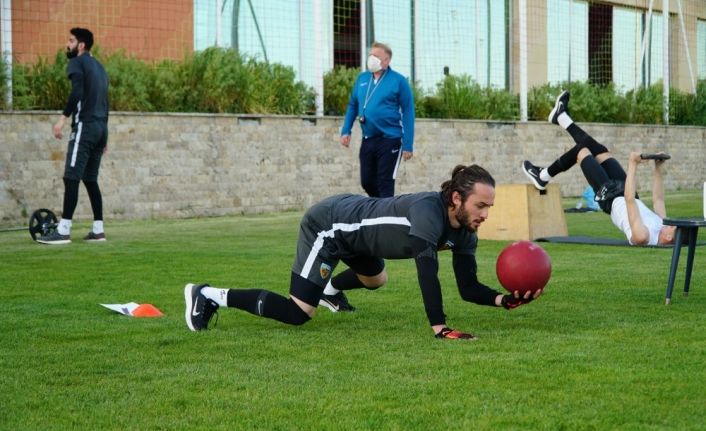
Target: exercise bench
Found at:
687, 228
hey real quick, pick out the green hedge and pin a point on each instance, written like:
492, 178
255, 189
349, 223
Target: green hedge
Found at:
338, 84
42, 85
213, 80
461, 97
221, 80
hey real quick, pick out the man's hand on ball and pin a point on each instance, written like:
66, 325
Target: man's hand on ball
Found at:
515, 300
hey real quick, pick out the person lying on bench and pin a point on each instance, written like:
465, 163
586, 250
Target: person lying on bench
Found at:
615, 190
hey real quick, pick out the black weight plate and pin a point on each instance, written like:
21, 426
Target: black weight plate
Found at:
41, 223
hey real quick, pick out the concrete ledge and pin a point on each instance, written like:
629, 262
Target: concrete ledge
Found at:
185, 165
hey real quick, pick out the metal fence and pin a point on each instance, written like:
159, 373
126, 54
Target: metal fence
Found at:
509, 44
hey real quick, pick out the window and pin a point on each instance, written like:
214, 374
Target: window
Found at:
629, 28
453, 36
392, 25
701, 48
461, 38
567, 41
601, 44
279, 31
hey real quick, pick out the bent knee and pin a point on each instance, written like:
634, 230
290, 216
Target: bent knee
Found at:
375, 281
602, 157
295, 314
582, 154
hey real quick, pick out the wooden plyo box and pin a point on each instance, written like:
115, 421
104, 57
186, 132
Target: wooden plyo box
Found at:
521, 212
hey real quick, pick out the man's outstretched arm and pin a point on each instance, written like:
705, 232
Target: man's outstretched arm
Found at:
640, 233
425, 257
472, 290
658, 190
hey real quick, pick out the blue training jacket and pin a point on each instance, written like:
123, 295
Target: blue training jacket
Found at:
389, 111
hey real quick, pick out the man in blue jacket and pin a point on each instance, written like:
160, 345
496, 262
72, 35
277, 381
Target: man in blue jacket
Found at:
383, 104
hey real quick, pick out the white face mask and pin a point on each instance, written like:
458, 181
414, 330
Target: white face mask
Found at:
374, 64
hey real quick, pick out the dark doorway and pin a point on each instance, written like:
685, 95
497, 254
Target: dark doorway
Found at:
600, 43
346, 33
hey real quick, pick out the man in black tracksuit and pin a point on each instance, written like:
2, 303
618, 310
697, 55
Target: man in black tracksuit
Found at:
361, 232
88, 109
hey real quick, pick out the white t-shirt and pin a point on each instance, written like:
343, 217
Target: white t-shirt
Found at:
619, 216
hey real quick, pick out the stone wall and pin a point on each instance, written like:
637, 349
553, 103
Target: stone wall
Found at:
185, 165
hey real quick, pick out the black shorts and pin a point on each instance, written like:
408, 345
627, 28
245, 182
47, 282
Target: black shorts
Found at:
86, 146
608, 191
317, 255
310, 289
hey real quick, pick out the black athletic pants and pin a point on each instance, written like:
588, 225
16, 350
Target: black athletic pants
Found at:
379, 159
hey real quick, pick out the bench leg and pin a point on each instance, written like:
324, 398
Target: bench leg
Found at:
675, 262
690, 258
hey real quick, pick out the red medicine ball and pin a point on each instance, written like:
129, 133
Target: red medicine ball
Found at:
523, 266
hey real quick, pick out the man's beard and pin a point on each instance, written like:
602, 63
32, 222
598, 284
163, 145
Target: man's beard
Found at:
464, 219
71, 53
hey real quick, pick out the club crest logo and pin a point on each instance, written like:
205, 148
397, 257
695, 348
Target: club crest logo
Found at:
325, 270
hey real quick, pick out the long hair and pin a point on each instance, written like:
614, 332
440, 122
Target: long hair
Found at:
463, 180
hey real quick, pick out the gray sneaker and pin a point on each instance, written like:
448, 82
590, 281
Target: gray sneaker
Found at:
54, 238
94, 236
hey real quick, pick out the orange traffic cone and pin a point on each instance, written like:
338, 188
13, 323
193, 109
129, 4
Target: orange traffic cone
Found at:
146, 310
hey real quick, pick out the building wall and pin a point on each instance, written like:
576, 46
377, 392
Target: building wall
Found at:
181, 165
159, 29
155, 29
681, 77
536, 45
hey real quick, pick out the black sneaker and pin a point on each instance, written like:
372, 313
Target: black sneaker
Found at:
199, 309
94, 236
336, 303
54, 238
532, 173
561, 105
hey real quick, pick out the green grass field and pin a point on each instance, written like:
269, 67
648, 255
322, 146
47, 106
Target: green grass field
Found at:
599, 351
